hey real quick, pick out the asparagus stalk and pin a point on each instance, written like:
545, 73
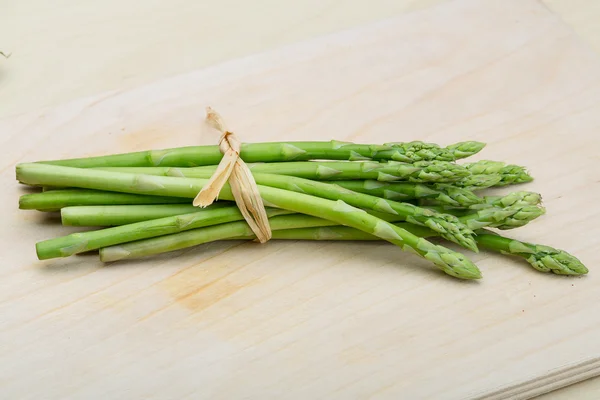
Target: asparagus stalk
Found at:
125, 214
57, 199
449, 261
448, 226
443, 194
278, 151
422, 171
86, 241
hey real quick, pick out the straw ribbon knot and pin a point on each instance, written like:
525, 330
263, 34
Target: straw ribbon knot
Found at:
243, 186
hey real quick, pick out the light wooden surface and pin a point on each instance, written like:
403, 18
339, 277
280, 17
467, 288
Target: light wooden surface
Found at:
226, 321
66, 49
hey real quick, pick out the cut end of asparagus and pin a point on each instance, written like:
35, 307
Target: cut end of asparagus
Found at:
113, 253
61, 247
24, 203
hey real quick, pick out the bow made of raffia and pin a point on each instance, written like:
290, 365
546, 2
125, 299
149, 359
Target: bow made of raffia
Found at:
243, 186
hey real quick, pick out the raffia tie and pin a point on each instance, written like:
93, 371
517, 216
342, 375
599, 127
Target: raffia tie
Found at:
243, 186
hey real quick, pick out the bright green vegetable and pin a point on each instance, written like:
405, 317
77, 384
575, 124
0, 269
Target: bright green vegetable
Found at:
449, 261
57, 199
509, 174
478, 181
279, 151
422, 171
126, 214
447, 225
85, 241
543, 258
511, 199
401, 191
510, 217
301, 227
446, 261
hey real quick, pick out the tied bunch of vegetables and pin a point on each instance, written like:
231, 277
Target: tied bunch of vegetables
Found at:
402, 193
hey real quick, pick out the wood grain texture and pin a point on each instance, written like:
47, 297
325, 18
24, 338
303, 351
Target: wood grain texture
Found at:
74, 48
324, 320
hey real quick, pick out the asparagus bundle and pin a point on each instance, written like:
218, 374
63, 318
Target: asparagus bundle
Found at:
403, 193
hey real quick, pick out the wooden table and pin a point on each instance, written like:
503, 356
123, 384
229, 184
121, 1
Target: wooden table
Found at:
72, 49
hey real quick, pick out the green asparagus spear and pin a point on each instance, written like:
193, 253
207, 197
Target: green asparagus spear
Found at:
88, 216
399, 191
125, 214
449, 261
422, 171
57, 199
277, 151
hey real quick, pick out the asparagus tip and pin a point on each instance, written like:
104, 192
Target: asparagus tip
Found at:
466, 149
546, 258
451, 262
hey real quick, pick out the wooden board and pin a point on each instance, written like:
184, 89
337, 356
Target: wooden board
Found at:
324, 320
